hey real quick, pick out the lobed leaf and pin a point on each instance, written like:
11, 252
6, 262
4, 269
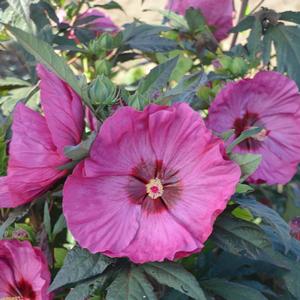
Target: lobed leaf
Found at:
79, 264
176, 277
131, 284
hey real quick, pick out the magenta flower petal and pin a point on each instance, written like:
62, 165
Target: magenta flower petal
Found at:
149, 185
218, 14
271, 101
24, 271
5, 198
118, 214
120, 144
101, 24
33, 160
63, 109
36, 148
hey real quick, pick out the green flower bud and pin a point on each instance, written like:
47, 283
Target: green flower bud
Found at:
238, 66
102, 91
103, 67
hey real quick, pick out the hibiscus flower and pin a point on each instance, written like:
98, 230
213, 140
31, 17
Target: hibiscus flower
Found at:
218, 14
24, 272
152, 187
36, 150
270, 101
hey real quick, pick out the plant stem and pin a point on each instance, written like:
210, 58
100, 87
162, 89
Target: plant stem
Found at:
241, 16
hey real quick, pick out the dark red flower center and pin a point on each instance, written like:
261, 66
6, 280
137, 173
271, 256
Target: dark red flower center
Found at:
248, 121
154, 187
22, 291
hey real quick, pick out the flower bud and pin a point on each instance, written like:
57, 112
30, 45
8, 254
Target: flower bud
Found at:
103, 67
102, 91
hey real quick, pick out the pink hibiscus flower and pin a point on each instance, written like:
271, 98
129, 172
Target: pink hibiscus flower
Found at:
24, 272
36, 150
153, 185
218, 14
270, 101
102, 23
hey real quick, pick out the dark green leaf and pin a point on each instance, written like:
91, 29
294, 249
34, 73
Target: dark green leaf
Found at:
290, 16
85, 289
286, 40
291, 280
243, 25
254, 39
131, 284
46, 55
230, 290
186, 89
111, 5
59, 226
270, 217
246, 239
176, 277
80, 264
47, 220
195, 20
147, 38
157, 78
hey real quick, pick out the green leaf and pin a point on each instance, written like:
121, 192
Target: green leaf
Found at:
43, 52
85, 289
81, 150
157, 78
246, 239
59, 226
131, 284
244, 135
175, 20
254, 40
286, 40
269, 216
81, 291
22, 9
80, 264
9, 101
13, 82
290, 16
243, 188
148, 38
291, 280
186, 89
176, 277
110, 5
195, 20
247, 162
47, 220
59, 257
17, 214
244, 24
230, 290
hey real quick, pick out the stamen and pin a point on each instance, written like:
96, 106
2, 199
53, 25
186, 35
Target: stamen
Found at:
261, 135
154, 188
